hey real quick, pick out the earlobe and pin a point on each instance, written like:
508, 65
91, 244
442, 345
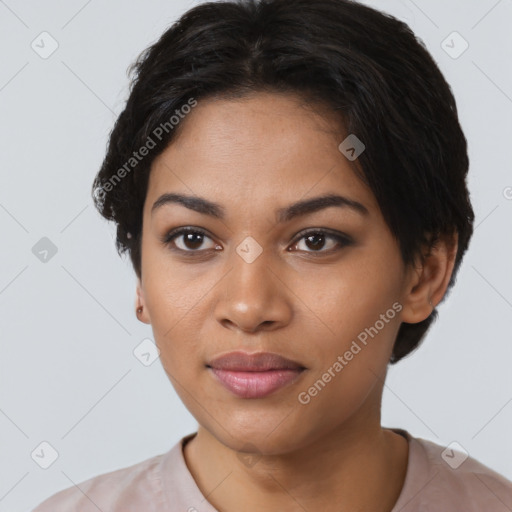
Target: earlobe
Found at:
141, 310
428, 280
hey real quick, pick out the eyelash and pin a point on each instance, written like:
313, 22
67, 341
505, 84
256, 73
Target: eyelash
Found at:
342, 240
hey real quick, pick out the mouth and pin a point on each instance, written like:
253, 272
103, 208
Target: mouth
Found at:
254, 375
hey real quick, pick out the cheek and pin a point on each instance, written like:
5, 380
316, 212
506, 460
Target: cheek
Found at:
176, 312
172, 292
346, 300
349, 363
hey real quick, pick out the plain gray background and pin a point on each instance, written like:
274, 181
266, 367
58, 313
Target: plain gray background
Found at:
68, 375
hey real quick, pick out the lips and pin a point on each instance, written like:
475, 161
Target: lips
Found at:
254, 375
259, 362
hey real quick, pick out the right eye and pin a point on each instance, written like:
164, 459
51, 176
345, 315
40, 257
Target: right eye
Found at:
187, 240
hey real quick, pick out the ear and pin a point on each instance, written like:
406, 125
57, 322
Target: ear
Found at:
428, 279
140, 301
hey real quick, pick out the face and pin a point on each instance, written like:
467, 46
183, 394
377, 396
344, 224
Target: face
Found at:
321, 286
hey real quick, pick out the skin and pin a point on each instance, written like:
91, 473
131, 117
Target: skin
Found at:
253, 156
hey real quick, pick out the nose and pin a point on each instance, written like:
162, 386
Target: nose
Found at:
253, 296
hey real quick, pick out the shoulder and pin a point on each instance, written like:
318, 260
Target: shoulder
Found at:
448, 477
135, 487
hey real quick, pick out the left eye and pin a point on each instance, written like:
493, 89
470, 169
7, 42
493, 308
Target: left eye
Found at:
316, 240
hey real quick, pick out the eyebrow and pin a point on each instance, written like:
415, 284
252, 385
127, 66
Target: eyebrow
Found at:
300, 208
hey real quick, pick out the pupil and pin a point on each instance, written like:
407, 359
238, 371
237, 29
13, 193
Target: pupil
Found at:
189, 238
316, 243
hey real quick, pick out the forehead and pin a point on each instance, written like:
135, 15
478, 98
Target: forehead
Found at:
264, 148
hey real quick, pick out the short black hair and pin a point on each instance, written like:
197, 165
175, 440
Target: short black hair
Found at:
367, 66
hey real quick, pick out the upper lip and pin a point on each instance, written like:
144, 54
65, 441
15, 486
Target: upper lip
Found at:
258, 362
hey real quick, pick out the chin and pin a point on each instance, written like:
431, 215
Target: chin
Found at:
264, 439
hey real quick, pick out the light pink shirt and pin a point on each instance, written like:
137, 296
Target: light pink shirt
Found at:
163, 483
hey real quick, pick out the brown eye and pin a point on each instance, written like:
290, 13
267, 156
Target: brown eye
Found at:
188, 240
317, 240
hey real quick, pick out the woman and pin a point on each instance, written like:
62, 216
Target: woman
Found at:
289, 180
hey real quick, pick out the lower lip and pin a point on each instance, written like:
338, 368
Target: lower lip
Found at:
255, 384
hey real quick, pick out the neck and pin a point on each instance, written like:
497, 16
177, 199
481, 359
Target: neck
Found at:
352, 467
